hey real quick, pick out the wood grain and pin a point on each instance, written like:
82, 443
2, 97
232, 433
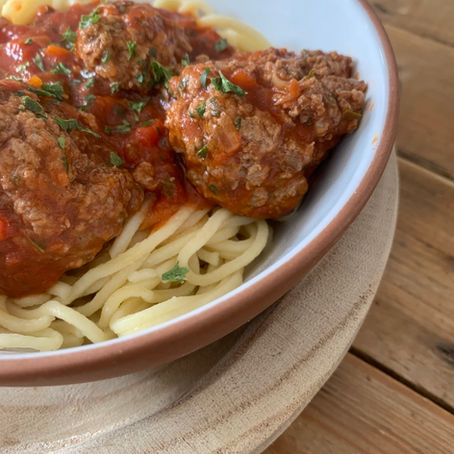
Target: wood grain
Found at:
431, 19
426, 132
410, 329
362, 410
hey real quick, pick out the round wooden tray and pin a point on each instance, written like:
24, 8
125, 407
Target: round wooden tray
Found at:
236, 395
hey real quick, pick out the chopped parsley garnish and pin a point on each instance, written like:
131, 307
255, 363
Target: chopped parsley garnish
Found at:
64, 160
186, 60
89, 100
237, 123
124, 128
203, 77
38, 61
191, 114
114, 87
33, 106
19, 93
215, 107
23, 67
106, 57
201, 109
28, 41
350, 115
153, 52
90, 83
131, 49
310, 74
71, 124
50, 90
161, 74
202, 153
89, 19
69, 37
140, 78
115, 160
138, 105
213, 189
146, 123
61, 68
221, 45
223, 84
61, 143
176, 274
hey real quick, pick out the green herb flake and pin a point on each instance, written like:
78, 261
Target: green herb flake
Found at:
203, 77
33, 106
131, 49
191, 114
224, 85
202, 153
28, 41
65, 161
146, 123
140, 78
89, 19
350, 115
138, 105
176, 274
38, 61
61, 68
237, 123
49, 90
201, 108
114, 87
124, 128
61, 142
89, 100
115, 160
90, 83
153, 52
69, 37
71, 124
23, 67
310, 74
213, 189
221, 45
106, 57
161, 74
186, 60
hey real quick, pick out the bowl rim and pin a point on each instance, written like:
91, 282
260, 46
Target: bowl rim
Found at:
162, 345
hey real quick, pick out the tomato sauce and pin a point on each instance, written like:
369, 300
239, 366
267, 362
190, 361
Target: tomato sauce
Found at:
131, 124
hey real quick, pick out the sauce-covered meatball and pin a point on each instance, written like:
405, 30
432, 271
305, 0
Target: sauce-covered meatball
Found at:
60, 201
253, 127
129, 43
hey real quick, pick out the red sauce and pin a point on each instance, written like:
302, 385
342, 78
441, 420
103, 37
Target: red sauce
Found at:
133, 124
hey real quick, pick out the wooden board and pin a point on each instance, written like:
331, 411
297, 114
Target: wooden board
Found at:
235, 396
410, 329
426, 133
362, 410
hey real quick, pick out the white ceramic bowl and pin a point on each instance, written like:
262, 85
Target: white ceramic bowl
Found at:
342, 187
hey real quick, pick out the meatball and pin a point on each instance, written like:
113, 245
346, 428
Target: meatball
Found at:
252, 128
58, 205
128, 42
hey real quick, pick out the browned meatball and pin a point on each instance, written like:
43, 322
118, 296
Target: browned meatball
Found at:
125, 40
253, 152
57, 205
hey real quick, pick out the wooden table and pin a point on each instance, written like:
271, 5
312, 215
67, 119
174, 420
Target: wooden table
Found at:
394, 392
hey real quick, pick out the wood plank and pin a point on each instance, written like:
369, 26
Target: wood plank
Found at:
428, 18
426, 132
410, 328
362, 410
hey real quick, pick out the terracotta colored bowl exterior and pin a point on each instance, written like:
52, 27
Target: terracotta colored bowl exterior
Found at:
172, 341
